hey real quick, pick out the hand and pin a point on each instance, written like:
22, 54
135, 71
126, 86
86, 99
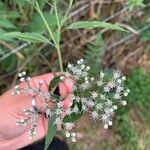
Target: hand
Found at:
13, 137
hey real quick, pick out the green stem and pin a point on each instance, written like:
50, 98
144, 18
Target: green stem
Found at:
45, 22
56, 43
56, 12
67, 12
60, 58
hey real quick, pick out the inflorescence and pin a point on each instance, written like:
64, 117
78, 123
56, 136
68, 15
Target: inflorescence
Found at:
99, 96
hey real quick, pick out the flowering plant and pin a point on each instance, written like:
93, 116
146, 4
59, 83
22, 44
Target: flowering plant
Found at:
98, 95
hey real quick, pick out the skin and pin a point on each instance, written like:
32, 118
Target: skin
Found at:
13, 137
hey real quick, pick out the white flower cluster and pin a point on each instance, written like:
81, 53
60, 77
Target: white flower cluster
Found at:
99, 96
31, 115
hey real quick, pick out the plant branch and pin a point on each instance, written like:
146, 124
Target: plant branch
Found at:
56, 42
18, 54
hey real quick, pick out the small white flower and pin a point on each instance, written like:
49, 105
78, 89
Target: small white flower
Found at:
73, 139
75, 109
60, 104
110, 123
73, 134
99, 83
82, 66
119, 81
58, 121
102, 74
123, 78
69, 126
102, 96
115, 107
23, 73
87, 82
69, 66
124, 103
33, 102
106, 126
22, 120
106, 89
81, 60
16, 87
116, 74
94, 94
19, 74
116, 96
68, 111
119, 89
128, 90
94, 115
111, 110
92, 79
58, 111
84, 108
108, 102
90, 103
85, 78
111, 84
22, 79
125, 94
88, 68
99, 106
67, 134
61, 77
48, 113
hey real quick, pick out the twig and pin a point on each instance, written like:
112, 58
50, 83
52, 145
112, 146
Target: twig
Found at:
8, 46
114, 45
14, 51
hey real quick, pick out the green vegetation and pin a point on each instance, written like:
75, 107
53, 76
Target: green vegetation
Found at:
43, 29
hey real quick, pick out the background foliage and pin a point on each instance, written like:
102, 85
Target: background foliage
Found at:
127, 51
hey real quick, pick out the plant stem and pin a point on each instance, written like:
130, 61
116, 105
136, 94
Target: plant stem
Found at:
60, 58
67, 12
56, 42
45, 22
56, 13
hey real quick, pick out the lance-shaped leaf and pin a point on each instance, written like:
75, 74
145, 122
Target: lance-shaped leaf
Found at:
29, 37
54, 82
94, 24
52, 128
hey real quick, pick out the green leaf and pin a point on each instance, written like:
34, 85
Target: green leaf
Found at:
54, 82
145, 36
1, 52
29, 37
73, 117
94, 24
5, 23
2, 32
37, 24
135, 3
52, 128
9, 64
13, 15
